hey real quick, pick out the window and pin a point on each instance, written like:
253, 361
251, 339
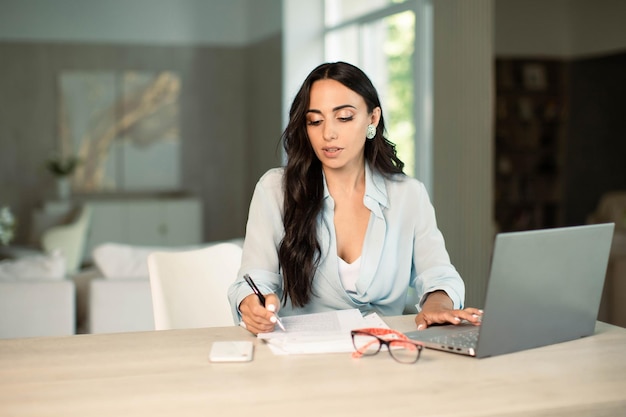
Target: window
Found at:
379, 37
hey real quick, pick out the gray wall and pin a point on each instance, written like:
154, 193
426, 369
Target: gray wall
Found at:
230, 119
462, 137
263, 95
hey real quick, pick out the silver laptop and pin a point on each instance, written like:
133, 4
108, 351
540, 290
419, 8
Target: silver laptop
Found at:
544, 288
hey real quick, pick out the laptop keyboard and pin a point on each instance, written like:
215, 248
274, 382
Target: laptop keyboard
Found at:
467, 339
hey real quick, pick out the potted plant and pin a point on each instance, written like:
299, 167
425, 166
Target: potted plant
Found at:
62, 168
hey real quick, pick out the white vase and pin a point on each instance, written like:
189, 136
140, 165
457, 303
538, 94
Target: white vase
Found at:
64, 188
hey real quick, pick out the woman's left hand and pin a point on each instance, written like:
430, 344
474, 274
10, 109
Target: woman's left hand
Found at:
438, 309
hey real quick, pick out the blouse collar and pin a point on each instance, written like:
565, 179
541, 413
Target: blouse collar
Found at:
375, 197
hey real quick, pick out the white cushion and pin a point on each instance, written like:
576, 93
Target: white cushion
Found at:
50, 266
121, 261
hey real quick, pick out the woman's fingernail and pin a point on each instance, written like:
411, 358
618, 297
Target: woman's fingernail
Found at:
271, 308
242, 324
273, 319
481, 312
420, 327
475, 316
457, 319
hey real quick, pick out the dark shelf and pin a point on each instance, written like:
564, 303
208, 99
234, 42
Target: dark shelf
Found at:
529, 143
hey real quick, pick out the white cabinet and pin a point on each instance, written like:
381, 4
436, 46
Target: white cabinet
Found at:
148, 222
107, 224
164, 223
143, 222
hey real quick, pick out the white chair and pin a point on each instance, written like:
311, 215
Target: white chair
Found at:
189, 288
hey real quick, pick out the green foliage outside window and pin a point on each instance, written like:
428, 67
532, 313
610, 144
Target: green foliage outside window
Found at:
399, 110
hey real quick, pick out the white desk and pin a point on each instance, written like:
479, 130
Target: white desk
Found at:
167, 374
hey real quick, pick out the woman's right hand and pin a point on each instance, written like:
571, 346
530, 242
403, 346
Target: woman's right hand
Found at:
258, 318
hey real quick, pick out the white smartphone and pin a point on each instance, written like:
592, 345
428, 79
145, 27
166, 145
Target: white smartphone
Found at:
231, 351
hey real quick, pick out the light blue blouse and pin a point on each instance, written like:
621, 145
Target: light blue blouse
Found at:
403, 247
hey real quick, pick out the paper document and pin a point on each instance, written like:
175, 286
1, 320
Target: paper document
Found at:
319, 332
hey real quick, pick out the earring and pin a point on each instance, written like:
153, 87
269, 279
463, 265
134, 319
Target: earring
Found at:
371, 132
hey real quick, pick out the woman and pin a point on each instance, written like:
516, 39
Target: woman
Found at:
341, 226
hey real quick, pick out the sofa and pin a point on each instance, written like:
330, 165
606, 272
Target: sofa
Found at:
114, 295
36, 297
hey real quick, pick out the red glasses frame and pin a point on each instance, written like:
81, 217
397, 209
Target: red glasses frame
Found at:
389, 338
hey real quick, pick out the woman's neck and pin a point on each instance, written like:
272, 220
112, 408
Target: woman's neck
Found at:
345, 182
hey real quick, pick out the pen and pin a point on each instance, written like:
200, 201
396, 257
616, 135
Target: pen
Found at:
255, 289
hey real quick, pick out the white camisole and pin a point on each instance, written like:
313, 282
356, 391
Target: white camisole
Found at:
349, 273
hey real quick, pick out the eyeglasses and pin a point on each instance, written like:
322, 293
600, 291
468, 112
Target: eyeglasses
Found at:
367, 342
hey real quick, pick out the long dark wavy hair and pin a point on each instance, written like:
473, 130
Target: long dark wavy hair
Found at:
300, 251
